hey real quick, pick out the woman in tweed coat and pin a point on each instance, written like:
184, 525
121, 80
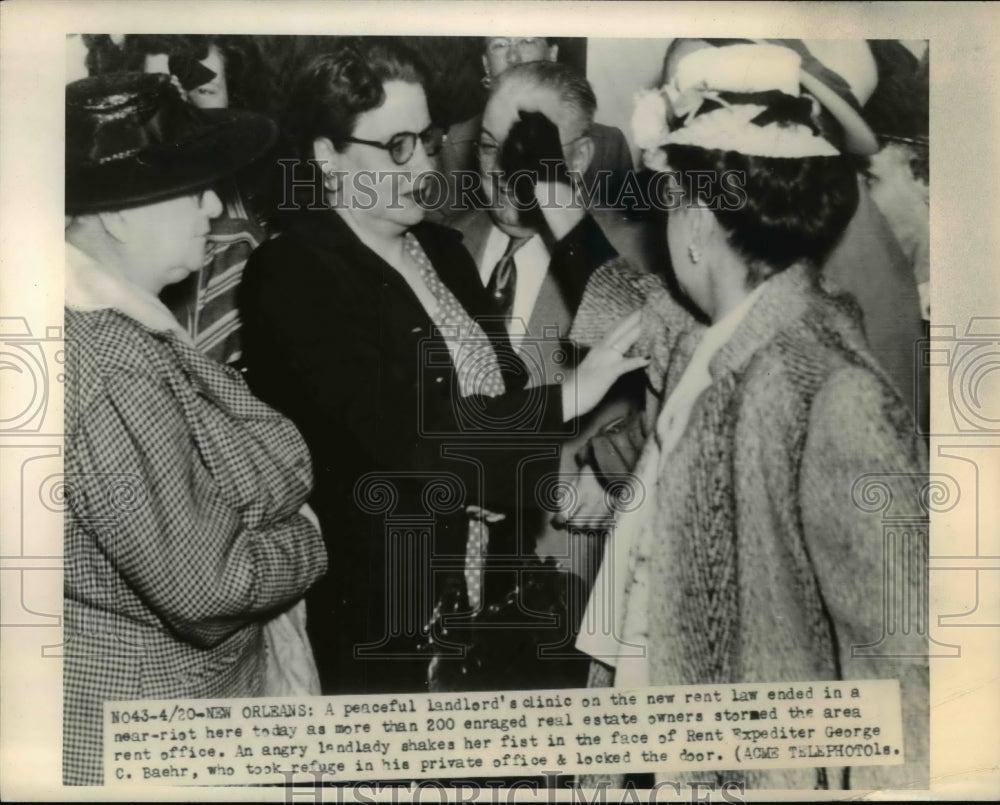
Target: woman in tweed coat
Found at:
185, 530
757, 555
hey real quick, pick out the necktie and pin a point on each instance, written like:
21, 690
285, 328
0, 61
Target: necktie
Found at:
503, 280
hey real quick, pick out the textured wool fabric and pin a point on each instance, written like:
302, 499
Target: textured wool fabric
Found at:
772, 571
183, 532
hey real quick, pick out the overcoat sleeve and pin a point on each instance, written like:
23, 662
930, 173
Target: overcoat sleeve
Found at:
862, 468
142, 493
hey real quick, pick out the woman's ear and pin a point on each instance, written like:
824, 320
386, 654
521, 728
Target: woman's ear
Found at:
114, 224
326, 155
581, 155
704, 226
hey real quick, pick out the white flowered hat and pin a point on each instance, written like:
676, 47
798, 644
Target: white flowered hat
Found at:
747, 97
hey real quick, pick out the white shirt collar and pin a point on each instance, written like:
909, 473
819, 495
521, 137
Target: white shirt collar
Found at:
532, 261
89, 287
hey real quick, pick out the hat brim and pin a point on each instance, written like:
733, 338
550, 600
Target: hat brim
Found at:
858, 135
859, 138
232, 140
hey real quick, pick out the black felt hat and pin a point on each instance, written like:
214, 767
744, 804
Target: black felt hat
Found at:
131, 139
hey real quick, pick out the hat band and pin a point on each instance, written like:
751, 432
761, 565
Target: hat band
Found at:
737, 128
128, 152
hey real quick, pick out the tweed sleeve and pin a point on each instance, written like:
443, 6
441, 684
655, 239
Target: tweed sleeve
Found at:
862, 470
172, 537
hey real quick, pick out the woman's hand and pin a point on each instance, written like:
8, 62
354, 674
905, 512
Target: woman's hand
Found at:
604, 364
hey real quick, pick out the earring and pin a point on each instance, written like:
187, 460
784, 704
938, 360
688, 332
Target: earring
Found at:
693, 253
331, 181
486, 81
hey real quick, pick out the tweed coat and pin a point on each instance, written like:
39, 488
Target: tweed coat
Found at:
183, 532
765, 563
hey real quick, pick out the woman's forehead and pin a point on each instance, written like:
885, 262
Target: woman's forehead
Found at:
404, 109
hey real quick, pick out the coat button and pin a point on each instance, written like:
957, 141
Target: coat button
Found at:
439, 379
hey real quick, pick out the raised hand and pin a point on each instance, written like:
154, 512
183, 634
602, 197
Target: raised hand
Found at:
602, 366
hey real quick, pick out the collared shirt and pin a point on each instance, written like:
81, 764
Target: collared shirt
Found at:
532, 264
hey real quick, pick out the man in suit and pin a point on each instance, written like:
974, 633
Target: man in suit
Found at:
536, 261
609, 169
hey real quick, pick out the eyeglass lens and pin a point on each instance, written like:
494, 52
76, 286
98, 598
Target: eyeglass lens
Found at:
402, 146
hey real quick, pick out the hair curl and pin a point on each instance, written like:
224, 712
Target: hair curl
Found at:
775, 211
336, 88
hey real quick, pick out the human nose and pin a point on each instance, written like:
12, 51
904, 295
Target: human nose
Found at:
211, 204
421, 160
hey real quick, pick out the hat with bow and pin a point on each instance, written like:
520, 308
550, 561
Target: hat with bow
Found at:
759, 98
131, 139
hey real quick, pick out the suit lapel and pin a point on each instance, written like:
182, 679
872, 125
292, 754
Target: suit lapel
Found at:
478, 234
549, 310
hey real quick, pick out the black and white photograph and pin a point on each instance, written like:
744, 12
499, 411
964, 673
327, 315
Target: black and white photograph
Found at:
474, 398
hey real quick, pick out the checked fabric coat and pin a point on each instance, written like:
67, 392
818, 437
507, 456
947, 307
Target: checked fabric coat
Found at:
183, 532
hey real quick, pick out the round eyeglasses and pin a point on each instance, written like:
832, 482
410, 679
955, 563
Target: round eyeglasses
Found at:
402, 145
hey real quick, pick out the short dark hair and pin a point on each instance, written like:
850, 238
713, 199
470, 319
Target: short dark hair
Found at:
790, 210
335, 88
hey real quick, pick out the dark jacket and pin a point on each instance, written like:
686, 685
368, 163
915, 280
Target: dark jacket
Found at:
336, 339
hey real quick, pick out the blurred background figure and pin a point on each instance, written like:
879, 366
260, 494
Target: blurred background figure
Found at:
187, 537
608, 167
214, 72
899, 176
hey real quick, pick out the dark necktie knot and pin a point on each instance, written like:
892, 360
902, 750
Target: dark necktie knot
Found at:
503, 280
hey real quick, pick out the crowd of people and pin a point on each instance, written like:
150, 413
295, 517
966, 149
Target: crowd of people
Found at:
370, 397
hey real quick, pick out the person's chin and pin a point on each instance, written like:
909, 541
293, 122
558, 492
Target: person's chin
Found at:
177, 274
508, 218
509, 221
410, 212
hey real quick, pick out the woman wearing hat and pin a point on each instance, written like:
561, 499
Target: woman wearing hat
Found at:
751, 551
868, 262
372, 330
186, 530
